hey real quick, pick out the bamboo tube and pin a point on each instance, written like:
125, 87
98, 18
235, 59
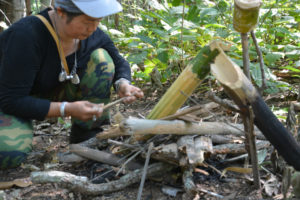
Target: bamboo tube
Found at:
186, 83
245, 15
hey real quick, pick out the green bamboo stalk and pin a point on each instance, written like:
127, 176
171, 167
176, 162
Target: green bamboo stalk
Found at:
186, 83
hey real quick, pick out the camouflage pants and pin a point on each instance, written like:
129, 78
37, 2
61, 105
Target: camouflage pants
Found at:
96, 81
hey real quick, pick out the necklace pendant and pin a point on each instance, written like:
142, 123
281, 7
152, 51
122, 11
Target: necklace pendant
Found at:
75, 79
62, 76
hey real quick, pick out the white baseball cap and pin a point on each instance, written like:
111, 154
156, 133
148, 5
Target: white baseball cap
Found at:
98, 8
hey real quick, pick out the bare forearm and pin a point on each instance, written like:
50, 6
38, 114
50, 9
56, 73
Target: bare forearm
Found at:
54, 110
82, 110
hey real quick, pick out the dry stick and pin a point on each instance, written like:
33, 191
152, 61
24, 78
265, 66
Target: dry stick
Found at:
127, 161
100, 156
181, 35
248, 122
261, 62
189, 97
240, 157
72, 157
183, 112
187, 179
198, 187
5, 17
246, 60
233, 148
226, 105
82, 185
113, 103
135, 155
145, 171
129, 146
248, 117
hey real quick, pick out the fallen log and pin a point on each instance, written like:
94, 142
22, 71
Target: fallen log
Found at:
133, 126
82, 185
102, 156
237, 148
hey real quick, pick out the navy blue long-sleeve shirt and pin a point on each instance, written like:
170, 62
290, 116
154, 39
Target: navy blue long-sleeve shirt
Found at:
30, 64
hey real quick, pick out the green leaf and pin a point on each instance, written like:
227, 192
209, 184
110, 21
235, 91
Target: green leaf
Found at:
214, 26
273, 85
193, 13
146, 39
293, 54
291, 69
137, 58
208, 11
163, 56
176, 2
271, 58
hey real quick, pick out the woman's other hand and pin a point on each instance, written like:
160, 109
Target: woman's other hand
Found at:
129, 91
84, 110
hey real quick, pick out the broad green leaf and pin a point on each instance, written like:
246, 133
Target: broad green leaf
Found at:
208, 11
223, 6
176, 2
137, 58
214, 26
285, 19
146, 39
156, 5
295, 54
271, 58
291, 69
193, 13
163, 56
160, 32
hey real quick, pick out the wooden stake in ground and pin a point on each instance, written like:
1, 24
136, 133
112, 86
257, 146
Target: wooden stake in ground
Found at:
245, 18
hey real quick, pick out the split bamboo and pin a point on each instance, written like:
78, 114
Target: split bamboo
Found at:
184, 85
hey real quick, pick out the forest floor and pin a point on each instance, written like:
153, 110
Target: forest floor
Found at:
51, 137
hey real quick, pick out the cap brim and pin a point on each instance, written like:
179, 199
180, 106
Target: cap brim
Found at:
98, 8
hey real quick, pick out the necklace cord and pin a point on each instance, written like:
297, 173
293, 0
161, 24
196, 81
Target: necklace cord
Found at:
59, 47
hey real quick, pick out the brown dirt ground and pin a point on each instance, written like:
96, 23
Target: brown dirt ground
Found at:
51, 137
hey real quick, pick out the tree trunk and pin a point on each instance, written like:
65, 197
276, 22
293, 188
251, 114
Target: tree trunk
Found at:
28, 7
19, 10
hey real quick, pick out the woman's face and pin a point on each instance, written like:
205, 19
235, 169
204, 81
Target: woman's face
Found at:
80, 27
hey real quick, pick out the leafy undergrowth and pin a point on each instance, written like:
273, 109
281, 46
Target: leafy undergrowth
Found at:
51, 137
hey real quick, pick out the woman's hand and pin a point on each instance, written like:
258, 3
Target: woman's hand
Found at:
129, 91
84, 110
